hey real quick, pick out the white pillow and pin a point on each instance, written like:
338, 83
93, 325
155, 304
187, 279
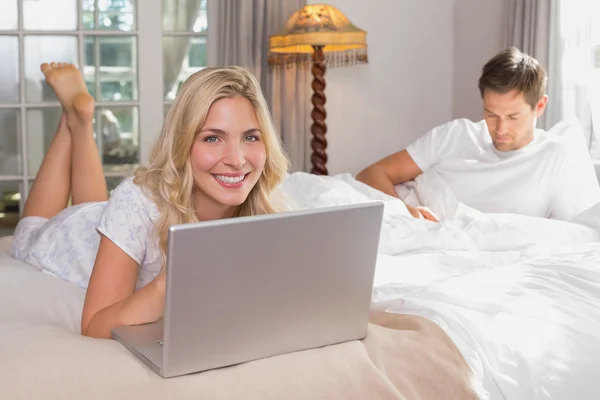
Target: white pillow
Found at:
316, 191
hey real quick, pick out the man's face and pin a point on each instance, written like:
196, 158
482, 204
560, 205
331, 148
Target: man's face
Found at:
510, 119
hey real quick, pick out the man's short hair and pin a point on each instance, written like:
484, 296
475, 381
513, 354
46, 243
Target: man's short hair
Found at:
512, 69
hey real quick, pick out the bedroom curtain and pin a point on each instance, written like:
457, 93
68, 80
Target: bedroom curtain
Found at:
528, 27
240, 36
561, 35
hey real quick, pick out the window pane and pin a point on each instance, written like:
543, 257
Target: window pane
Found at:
120, 138
184, 15
117, 51
10, 206
87, 14
10, 143
116, 62
9, 77
41, 127
182, 56
114, 15
8, 15
40, 49
88, 21
197, 52
50, 15
89, 70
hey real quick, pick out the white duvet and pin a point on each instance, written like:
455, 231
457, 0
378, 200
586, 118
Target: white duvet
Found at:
520, 296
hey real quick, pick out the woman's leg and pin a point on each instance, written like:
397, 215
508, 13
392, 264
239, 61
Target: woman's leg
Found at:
72, 164
50, 191
85, 176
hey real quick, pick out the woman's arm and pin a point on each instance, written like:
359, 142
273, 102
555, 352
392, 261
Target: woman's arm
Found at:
111, 299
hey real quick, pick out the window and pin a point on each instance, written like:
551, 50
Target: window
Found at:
577, 49
117, 45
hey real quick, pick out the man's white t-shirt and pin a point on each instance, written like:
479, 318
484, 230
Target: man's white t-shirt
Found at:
551, 177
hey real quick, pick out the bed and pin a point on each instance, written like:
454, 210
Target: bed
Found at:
44, 357
477, 306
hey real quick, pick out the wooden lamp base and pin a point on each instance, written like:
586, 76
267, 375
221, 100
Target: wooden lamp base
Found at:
318, 128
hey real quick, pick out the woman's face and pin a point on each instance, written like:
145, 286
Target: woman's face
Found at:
228, 157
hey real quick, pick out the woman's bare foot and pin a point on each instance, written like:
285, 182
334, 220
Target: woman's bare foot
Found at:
69, 86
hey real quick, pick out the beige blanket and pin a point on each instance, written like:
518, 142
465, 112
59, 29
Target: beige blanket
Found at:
43, 357
418, 358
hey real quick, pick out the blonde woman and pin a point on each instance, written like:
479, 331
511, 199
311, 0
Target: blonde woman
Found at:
218, 156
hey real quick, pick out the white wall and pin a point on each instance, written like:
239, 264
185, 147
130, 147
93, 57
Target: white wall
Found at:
379, 108
425, 58
477, 37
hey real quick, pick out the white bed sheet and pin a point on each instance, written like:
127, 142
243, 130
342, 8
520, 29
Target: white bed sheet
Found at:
520, 296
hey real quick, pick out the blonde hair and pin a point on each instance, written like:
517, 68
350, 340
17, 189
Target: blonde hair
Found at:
169, 180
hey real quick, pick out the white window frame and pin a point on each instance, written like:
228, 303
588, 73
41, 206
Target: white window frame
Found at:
150, 100
150, 74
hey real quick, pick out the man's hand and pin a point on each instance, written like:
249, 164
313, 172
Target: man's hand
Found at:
422, 213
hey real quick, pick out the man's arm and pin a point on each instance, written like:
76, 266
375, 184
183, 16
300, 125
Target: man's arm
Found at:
389, 172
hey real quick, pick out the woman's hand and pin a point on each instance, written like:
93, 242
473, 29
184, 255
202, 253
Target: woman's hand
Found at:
422, 213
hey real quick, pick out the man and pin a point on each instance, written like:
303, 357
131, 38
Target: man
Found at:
501, 164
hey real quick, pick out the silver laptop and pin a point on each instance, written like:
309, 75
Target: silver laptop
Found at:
243, 289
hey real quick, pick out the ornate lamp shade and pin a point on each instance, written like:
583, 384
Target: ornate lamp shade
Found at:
319, 25
321, 34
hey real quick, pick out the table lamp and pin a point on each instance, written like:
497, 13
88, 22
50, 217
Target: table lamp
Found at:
321, 34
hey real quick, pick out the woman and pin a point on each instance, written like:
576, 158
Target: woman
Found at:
218, 156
